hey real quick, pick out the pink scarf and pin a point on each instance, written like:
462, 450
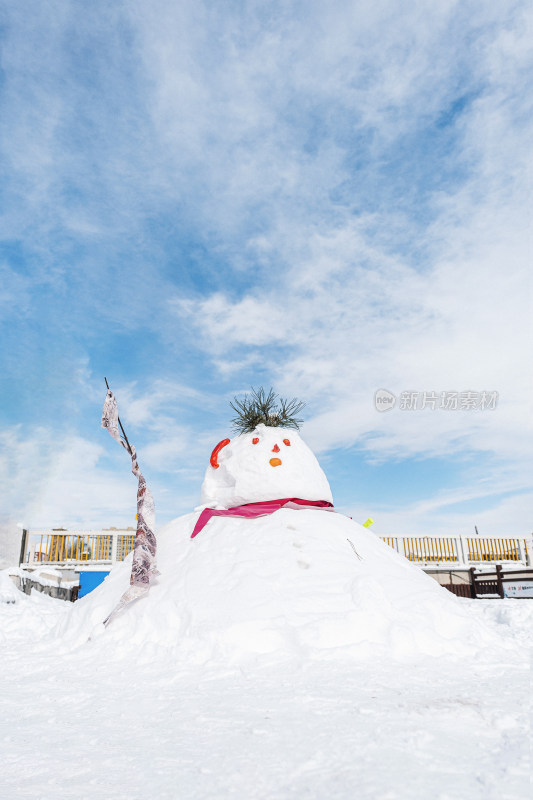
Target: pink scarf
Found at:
256, 510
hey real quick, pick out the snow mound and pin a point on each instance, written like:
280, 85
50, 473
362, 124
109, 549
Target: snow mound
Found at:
298, 584
265, 464
8, 591
26, 619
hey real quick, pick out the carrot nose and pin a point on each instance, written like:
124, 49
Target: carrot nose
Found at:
275, 449
275, 462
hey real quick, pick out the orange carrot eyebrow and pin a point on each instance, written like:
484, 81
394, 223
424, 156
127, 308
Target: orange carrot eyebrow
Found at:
216, 451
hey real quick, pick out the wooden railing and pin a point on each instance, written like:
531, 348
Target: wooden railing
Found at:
498, 583
462, 550
76, 549
99, 548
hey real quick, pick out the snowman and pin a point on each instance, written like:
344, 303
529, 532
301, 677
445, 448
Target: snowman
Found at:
267, 465
275, 570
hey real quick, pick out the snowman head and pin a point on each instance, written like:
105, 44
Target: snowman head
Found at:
266, 463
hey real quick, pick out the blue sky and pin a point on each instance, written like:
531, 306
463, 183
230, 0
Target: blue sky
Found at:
199, 197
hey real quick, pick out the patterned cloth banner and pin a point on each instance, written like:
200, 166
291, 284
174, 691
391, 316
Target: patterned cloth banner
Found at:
144, 564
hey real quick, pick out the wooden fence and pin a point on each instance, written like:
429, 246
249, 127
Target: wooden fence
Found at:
491, 584
97, 550
76, 550
435, 551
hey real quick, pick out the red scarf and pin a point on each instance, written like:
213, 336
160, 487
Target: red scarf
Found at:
256, 510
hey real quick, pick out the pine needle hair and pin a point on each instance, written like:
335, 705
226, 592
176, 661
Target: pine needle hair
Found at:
268, 409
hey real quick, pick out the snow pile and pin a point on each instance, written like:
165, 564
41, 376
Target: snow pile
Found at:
274, 645
8, 591
48, 577
265, 464
299, 584
24, 618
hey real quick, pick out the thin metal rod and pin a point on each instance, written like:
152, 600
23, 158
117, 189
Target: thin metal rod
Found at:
120, 423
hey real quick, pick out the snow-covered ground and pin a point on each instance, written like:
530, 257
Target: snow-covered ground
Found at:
273, 659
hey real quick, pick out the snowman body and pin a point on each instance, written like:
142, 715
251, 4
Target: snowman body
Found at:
268, 463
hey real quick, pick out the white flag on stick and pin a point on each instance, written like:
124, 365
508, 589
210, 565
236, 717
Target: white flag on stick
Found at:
144, 563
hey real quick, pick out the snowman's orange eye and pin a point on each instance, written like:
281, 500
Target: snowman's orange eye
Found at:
255, 440
287, 442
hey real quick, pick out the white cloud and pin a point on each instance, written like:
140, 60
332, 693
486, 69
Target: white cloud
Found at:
54, 479
293, 146
161, 416
153, 406
369, 301
509, 516
458, 326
